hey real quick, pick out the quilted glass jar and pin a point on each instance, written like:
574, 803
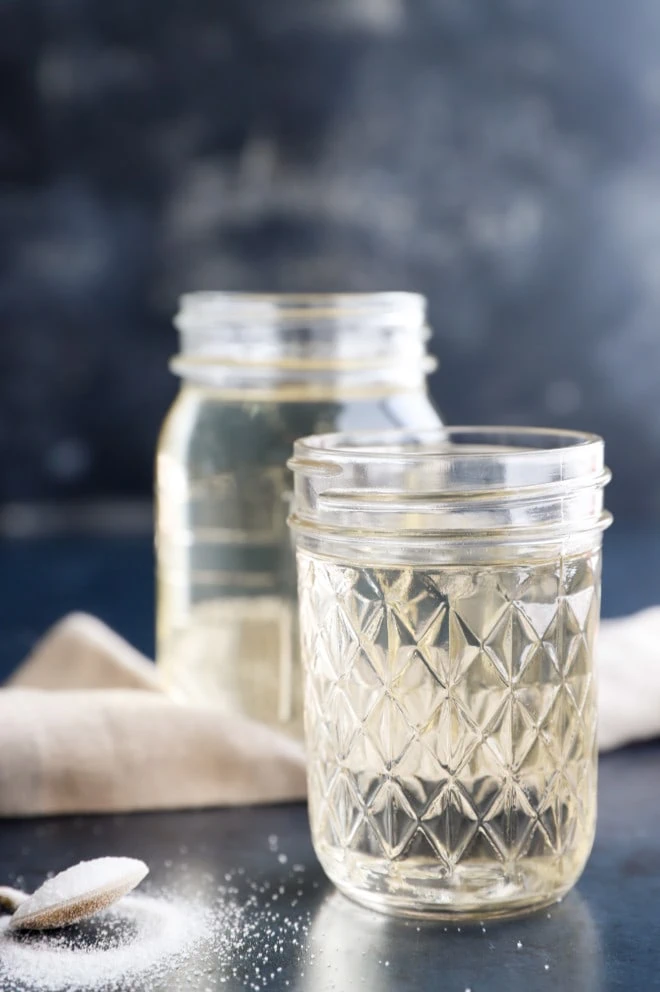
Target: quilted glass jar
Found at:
449, 600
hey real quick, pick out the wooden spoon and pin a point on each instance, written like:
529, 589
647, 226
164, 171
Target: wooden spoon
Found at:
11, 899
74, 894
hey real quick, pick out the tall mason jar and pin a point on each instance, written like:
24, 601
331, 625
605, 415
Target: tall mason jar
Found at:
449, 602
256, 373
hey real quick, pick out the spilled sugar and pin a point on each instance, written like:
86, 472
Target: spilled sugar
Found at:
145, 941
140, 935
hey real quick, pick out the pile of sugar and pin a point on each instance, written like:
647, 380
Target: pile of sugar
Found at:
140, 935
246, 932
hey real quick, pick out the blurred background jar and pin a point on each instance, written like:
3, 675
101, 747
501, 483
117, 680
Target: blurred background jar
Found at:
257, 372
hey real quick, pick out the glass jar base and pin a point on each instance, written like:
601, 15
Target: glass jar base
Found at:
473, 893
441, 914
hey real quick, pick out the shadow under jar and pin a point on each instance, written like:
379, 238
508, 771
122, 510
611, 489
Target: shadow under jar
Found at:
449, 601
257, 372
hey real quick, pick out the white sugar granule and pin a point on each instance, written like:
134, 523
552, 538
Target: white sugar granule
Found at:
141, 934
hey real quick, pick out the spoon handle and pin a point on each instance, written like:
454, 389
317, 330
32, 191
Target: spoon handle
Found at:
11, 899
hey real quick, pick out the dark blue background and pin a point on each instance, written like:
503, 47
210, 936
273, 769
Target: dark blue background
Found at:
500, 156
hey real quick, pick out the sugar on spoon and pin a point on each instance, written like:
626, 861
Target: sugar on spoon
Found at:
73, 895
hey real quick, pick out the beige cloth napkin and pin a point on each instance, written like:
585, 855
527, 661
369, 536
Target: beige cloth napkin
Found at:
628, 654
86, 727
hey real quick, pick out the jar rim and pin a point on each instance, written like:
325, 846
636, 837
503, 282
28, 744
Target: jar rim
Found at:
349, 339
439, 444
294, 306
451, 484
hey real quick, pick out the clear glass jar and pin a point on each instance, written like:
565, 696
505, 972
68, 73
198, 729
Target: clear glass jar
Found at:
257, 372
449, 601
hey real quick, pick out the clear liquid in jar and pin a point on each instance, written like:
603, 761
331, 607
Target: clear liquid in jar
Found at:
227, 598
451, 729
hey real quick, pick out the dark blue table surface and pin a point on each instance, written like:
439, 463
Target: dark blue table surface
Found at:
604, 936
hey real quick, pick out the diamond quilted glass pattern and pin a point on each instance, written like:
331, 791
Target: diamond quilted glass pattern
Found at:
451, 728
